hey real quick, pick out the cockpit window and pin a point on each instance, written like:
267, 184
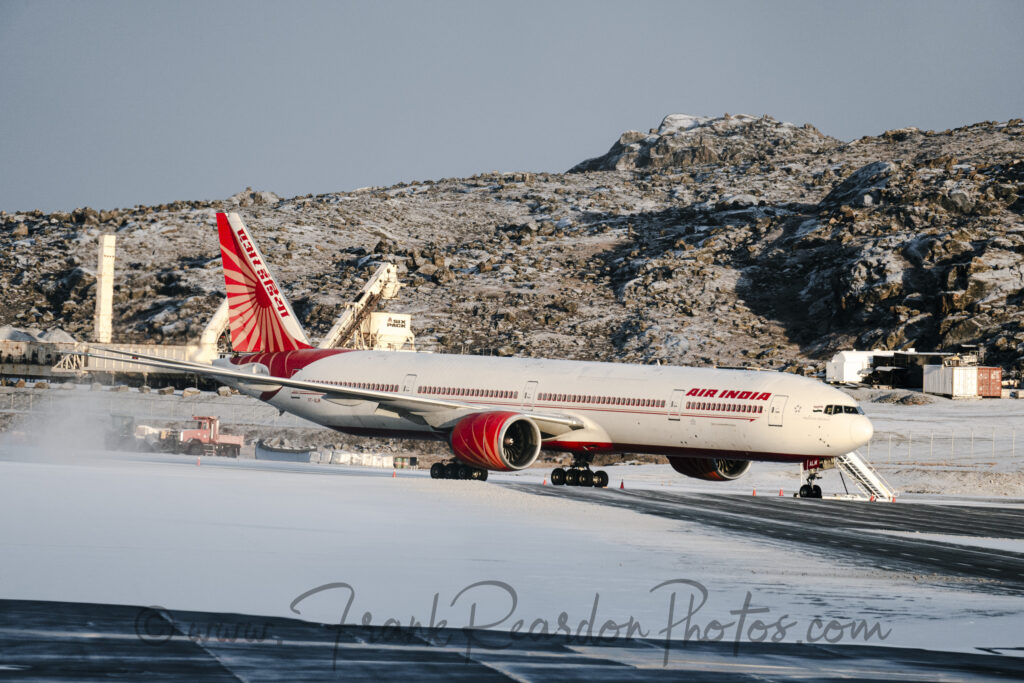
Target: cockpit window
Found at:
839, 410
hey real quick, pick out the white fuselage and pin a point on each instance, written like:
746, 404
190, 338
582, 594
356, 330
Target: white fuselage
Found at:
697, 412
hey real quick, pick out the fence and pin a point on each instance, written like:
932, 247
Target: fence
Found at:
943, 445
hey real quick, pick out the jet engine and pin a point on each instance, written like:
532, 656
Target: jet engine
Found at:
499, 441
710, 469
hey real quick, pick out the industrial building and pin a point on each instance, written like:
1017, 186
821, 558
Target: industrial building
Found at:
955, 375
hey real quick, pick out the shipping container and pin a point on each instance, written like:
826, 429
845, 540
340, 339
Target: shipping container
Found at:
852, 366
990, 382
955, 382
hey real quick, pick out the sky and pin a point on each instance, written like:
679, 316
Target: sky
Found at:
113, 103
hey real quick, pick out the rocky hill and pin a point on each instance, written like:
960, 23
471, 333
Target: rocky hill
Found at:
733, 240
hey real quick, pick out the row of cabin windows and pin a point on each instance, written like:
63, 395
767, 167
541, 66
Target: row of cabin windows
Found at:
603, 400
724, 407
470, 393
371, 386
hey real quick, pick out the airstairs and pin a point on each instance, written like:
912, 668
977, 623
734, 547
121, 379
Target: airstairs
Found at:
869, 481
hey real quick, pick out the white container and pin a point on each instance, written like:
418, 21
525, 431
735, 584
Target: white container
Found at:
851, 366
954, 382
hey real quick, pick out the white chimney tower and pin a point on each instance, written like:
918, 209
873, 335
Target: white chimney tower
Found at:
104, 290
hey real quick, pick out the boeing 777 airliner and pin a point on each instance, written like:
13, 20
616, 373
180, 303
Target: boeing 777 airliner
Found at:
500, 413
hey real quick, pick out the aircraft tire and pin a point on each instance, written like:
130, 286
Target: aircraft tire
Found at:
437, 470
451, 471
600, 479
572, 478
586, 478
558, 477
816, 491
464, 472
806, 491
483, 475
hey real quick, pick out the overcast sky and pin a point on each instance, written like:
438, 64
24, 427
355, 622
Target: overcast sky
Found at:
111, 104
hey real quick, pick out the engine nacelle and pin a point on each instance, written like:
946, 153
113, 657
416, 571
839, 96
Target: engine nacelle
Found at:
710, 469
498, 441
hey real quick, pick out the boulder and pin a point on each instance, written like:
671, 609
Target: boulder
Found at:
863, 187
249, 197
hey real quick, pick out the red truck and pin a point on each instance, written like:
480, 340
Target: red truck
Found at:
203, 436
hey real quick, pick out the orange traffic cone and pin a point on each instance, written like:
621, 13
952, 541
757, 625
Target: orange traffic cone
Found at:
622, 484
872, 499
545, 482
754, 493
780, 493
394, 473
197, 461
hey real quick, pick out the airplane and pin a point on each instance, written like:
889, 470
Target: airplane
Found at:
498, 414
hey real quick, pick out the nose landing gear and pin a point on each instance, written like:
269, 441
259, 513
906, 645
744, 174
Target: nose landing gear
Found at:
579, 474
810, 489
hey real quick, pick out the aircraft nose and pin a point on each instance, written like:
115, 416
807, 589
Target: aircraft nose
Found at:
861, 431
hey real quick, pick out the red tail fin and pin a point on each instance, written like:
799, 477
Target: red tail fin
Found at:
260, 317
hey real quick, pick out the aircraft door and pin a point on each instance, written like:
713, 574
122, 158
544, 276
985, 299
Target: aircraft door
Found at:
529, 395
675, 404
775, 409
409, 384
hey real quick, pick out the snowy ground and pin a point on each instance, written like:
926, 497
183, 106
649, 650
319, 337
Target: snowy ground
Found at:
81, 524
250, 537
971, 448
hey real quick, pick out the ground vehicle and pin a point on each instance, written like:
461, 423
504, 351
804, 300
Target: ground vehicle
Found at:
203, 436
121, 435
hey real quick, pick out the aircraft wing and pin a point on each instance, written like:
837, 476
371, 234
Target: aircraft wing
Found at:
433, 411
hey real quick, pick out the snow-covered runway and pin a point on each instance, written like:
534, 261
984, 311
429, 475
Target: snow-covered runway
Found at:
329, 544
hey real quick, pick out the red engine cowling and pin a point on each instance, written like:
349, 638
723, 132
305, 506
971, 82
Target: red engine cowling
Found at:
496, 441
710, 469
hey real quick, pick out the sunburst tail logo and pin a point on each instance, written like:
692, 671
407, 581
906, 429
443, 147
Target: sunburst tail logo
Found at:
261, 319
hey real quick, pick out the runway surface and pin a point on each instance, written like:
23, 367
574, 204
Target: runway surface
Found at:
76, 641
42, 640
842, 529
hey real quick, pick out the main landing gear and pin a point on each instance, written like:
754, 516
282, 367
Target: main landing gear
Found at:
456, 470
579, 474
